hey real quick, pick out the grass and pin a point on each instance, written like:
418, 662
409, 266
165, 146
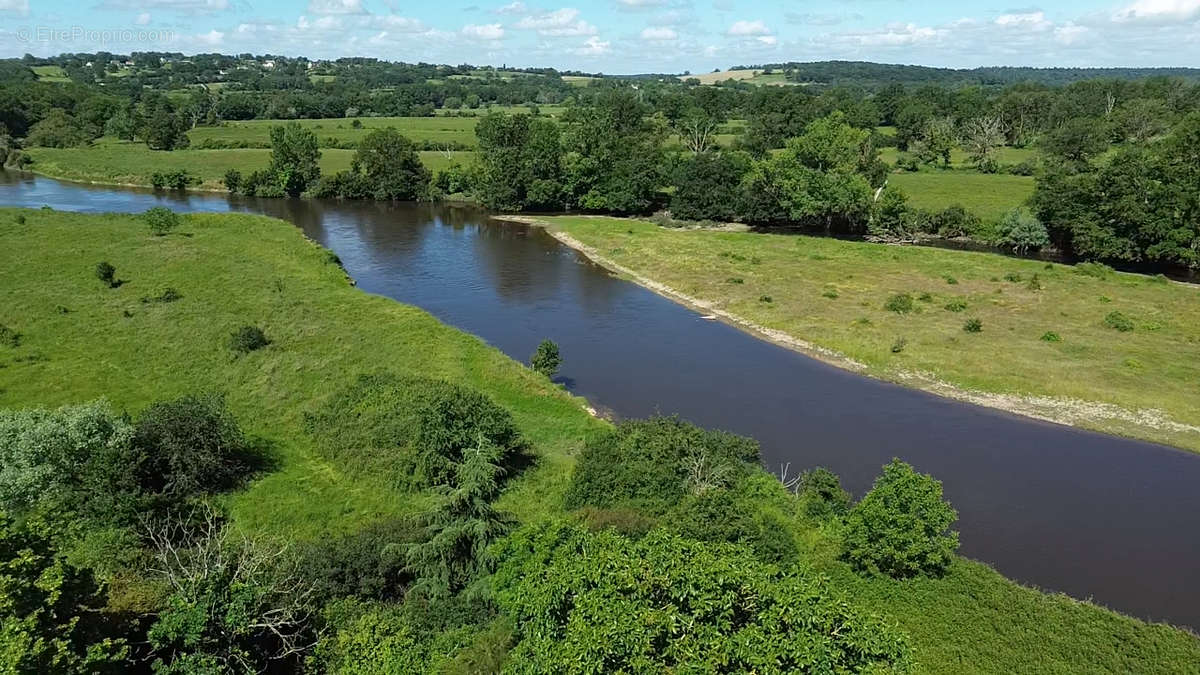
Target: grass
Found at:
1090, 362
960, 160
234, 270
50, 73
434, 129
988, 196
120, 162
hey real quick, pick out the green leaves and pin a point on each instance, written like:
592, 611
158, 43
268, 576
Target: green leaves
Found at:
604, 603
901, 528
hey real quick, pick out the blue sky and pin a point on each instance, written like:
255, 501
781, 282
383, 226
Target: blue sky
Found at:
623, 36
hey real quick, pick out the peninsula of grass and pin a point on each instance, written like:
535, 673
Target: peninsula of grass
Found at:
1039, 342
81, 339
114, 162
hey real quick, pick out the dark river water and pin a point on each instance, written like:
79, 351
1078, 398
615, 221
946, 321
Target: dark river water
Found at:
1097, 517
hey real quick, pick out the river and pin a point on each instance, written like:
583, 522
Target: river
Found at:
1094, 516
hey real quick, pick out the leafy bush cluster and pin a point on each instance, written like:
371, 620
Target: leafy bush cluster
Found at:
248, 339
412, 430
161, 220
179, 179
586, 598
546, 359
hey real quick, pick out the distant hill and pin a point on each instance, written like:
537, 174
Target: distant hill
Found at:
865, 73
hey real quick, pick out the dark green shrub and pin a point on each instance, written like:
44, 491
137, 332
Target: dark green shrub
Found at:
1034, 283
735, 280
899, 345
248, 339
107, 273
950, 280
546, 359
191, 446
901, 303
765, 298
412, 430
1119, 322
167, 294
161, 220
179, 179
718, 516
973, 326
821, 493
901, 528
1051, 336
367, 564
1013, 277
956, 305
20, 219
651, 465
830, 293
356, 124
232, 180
158, 180
925, 297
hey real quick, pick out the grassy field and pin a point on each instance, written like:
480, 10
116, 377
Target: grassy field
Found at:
1046, 331
959, 159
110, 161
436, 129
988, 196
50, 73
234, 270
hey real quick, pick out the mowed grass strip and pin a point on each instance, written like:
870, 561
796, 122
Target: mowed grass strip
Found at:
81, 341
129, 163
988, 196
1045, 328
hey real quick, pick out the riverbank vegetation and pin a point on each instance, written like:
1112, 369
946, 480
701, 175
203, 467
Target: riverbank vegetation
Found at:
1046, 344
368, 490
946, 154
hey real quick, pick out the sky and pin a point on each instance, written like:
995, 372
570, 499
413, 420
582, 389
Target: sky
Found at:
622, 36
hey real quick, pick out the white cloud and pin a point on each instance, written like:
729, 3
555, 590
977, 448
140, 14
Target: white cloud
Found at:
212, 38
142, 19
660, 34
896, 35
748, 29
491, 31
1070, 33
516, 7
336, 7
1028, 20
563, 22
593, 47
641, 4
19, 6
1159, 10
767, 40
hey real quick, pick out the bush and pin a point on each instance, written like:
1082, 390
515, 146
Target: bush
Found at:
666, 604
821, 492
765, 298
717, 516
899, 345
248, 339
191, 446
167, 294
107, 273
1022, 231
901, 528
161, 220
650, 465
180, 179
412, 430
901, 303
546, 359
953, 221
950, 280
368, 564
232, 180
20, 219
973, 326
1051, 336
956, 305
1118, 322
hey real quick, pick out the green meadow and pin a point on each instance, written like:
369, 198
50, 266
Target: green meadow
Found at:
130, 163
1085, 345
